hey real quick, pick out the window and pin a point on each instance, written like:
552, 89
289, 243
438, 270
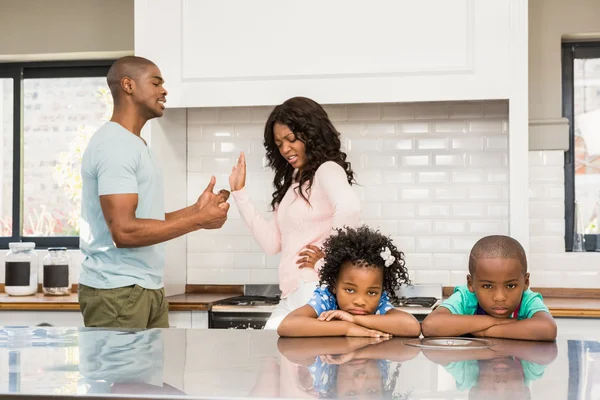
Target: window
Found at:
581, 105
6, 152
48, 112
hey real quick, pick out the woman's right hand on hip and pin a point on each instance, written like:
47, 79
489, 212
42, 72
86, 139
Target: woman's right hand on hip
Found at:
237, 179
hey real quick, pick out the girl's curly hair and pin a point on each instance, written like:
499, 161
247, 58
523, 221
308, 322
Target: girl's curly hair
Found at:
362, 246
311, 125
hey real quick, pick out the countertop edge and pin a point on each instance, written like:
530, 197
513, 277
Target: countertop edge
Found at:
558, 306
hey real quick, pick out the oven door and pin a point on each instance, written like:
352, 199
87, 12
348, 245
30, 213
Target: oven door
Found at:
237, 320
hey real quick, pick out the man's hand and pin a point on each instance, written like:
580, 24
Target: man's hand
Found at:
211, 209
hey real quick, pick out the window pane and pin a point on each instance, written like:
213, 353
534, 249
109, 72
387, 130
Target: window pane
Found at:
6, 152
587, 139
61, 115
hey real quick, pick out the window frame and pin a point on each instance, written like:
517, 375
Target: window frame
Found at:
19, 71
569, 52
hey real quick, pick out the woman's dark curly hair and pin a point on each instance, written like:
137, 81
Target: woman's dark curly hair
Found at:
311, 125
362, 246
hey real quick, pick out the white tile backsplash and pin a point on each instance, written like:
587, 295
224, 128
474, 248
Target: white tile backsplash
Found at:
434, 176
549, 264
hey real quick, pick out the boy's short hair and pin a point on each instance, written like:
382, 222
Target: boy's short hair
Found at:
497, 246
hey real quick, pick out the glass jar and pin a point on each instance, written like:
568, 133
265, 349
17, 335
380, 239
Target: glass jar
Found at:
56, 272
21, 269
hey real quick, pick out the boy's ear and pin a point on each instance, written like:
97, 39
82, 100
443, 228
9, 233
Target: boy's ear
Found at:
470, 283
527, 281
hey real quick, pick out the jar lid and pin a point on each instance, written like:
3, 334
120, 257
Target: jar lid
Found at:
57, 249
21, 245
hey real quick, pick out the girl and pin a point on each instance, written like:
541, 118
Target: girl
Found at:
312, 196
362, 270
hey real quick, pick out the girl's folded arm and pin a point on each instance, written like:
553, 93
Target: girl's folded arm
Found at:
394, 322
303, 322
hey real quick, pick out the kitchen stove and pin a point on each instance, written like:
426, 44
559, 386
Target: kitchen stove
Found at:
249, 311
426, 302
253, 309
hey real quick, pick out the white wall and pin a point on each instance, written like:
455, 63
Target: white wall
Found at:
550, 265
434, 176
65, 26
550, 22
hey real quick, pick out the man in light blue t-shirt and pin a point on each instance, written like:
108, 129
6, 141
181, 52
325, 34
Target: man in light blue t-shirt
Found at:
124, 224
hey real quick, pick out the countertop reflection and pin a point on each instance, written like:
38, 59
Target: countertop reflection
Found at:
44, 363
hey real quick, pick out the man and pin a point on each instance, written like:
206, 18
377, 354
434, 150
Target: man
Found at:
124, 223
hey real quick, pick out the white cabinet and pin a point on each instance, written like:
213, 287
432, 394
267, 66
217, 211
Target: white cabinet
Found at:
180, 319
578, 328
34, 318
200, 319
177, 319
261, 52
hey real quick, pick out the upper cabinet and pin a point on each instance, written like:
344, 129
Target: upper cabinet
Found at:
261, 52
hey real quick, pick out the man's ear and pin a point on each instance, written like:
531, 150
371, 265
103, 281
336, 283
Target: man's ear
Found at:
127, 84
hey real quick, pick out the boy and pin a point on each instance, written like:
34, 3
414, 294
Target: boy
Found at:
497, 301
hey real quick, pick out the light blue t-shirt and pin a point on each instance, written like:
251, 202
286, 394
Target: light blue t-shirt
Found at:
323, 300
118, 162
464, 302
105, 358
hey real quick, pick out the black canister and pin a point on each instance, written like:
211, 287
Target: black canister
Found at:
56, 272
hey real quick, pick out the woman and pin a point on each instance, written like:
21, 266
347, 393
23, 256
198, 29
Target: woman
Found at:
312, 196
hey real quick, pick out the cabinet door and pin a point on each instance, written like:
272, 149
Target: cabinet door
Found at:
200, 319
239, 52
34, 318
578, 328
180, 319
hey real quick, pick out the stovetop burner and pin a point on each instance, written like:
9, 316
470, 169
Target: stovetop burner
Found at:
249, 301
427, 302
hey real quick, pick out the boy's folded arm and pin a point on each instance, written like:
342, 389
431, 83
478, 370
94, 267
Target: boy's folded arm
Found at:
441, 322
394, 322
303, 322
541, 326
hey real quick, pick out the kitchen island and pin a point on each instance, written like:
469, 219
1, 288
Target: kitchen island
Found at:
52, 363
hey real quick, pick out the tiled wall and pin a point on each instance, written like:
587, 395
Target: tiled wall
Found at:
424, 180
432, 175
549, 264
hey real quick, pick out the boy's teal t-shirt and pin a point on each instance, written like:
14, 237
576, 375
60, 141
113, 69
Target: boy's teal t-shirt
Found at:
464, 302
